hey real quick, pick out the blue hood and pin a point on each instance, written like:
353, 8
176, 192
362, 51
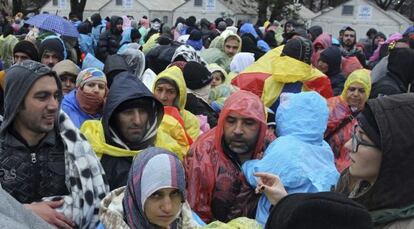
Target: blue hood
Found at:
303, 115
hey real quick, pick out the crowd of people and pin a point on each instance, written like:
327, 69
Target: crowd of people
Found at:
136, 124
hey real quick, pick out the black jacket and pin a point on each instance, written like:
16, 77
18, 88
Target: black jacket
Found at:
197, 106
399, 76
109, 41
125, 87
332, 56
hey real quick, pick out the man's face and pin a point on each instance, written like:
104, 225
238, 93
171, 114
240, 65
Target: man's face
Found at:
240, 133
231, 46
39, 110
68, 83
349, 38
19, 57
378, 39
166, 94
132, 124
50, 58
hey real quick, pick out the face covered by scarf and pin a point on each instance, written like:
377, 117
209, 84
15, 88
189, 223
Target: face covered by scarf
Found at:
152, 170
91, 103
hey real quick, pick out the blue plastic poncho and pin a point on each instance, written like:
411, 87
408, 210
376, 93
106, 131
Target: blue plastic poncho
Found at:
299, 156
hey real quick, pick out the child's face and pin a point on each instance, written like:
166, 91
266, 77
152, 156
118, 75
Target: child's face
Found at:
217, 79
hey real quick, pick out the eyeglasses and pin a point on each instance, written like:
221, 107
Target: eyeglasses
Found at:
356, 141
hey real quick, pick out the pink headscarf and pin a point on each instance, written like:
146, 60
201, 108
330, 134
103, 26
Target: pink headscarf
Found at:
393, 38
144, 22
324, 40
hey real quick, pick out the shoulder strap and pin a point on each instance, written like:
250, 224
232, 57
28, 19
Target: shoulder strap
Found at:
340, 126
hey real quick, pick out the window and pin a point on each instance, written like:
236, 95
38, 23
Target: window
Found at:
198, 2
55, 2
118, 2
348, 10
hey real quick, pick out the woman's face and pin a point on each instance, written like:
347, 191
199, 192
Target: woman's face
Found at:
166, 94
355, 95
163, 206
378, 39
95, 87
365, 156
217, 79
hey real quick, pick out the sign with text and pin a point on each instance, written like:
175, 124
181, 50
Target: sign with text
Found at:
211, 5
364, 12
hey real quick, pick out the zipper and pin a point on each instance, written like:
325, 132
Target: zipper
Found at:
34, 160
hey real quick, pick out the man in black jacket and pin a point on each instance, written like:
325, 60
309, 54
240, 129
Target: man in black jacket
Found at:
109, 41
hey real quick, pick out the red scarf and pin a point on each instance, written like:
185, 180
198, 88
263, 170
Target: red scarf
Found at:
89, 102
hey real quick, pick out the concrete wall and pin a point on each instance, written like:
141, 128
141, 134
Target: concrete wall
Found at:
334, 20
188, 9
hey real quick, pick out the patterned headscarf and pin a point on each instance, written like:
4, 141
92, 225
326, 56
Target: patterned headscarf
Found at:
187, 53
153, 169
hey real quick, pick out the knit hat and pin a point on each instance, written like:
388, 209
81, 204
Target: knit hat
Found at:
367, 122
66, 67
361, 76
55, 44
196, 75
298, 48
89, 74
222, 26
28, 48
323, 210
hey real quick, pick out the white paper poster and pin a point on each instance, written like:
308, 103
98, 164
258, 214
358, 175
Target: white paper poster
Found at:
365, 12
211, 5
128, 4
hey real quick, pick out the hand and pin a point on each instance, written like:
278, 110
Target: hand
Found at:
271, 186
46, 211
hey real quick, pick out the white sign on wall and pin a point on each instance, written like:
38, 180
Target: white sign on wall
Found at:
364, 12
62, 4
127, 4
211, 5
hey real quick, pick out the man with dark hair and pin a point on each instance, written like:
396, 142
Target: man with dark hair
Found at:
131, 117
52, 50
348, 47
45, 163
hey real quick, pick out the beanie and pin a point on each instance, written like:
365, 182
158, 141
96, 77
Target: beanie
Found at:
89, 74
54, 44
196, 75
298, 48
28, 48
367, 122
323, 210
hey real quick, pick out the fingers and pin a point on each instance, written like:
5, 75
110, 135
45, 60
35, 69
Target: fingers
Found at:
54, 204
62, 221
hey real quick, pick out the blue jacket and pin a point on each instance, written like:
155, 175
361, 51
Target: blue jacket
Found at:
299, 156
87, 44
72, 108
249, 28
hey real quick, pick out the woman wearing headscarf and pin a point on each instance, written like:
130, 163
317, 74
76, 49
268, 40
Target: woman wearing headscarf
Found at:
321, 43
342, 111
171, 90
87, 100
154, 197
381, 152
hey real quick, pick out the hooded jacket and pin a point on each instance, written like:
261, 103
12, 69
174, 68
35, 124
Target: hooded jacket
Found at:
217, 188
115, 157
340, 112
215, 53
299, 156
399, 76
323, 41
71, 107
390, 198
88, 187
114, 64
109, 41
332, 56
191, 123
